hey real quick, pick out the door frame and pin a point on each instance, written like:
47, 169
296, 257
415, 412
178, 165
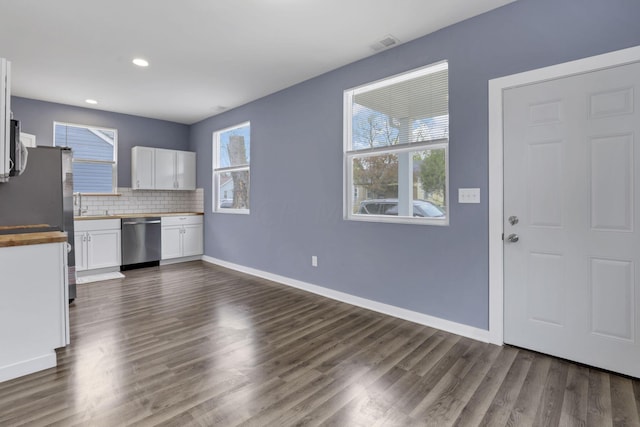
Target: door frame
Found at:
496, 168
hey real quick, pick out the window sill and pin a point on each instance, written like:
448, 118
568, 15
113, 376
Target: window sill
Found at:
233, 211
399, 220
98, 194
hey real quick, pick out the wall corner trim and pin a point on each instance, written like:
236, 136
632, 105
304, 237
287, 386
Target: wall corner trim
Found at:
390, 310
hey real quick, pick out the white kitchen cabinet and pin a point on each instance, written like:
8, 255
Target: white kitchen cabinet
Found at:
192, 239
185, 170
165, 169
182, 236
172, 241
162, 169
80, 246
97, 244
142, 168
5, 118
175, 170
34, 316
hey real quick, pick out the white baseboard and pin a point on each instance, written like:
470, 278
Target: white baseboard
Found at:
85, 273
179, 260
402, 313
26, 367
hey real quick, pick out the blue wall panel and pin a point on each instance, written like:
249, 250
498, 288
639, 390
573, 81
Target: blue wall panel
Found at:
296, 170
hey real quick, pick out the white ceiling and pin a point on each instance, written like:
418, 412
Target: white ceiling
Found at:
206, 56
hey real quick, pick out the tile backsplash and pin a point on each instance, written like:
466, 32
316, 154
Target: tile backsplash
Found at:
141, 201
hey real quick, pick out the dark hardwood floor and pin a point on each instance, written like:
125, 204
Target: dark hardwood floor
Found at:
195, 344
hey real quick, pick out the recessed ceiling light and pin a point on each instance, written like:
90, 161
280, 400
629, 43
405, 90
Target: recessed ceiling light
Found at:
90, 101
141, 62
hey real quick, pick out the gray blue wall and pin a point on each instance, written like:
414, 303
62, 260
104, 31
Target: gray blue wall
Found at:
37, 117
297, 149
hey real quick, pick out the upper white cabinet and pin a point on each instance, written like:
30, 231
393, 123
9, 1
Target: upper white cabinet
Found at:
165, 171
162, 169
5, 118
142, 168
185, 170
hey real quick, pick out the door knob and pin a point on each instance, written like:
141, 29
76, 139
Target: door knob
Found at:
512, 238
513, 220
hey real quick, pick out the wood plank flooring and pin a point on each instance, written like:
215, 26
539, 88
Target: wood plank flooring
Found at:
198, 345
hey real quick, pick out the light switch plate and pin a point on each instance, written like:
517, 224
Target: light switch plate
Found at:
468, 195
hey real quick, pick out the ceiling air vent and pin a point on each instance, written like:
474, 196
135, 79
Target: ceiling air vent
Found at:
387, 42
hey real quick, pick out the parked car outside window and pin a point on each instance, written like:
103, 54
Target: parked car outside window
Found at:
421, 208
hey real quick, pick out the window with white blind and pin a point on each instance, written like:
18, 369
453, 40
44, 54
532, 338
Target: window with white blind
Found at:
231, 167
396, 148
95, 151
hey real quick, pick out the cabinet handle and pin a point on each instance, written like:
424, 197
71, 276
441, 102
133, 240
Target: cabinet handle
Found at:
89, 237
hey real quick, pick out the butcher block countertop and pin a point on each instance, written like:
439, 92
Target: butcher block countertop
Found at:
24, 239
18, 227
135, 215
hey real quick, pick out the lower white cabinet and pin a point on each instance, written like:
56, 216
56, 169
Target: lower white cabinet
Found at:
97, 244
34, 316
182, 236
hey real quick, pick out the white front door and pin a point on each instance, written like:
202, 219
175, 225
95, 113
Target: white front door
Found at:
571, 193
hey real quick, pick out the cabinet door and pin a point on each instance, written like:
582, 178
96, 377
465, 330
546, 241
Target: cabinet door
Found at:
80, 247
192, 240
186, 170
171, 242
165, 170
103, 249
142, 168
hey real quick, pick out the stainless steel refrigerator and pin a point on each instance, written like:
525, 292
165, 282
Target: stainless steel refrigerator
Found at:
43, 194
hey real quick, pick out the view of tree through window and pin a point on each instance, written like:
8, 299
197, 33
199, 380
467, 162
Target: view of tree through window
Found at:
231, 168
397, 146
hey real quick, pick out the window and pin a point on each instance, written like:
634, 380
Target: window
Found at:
396, 148
231, 160
95, 151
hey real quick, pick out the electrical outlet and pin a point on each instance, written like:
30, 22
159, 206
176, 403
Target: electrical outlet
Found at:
468, 195
314, 261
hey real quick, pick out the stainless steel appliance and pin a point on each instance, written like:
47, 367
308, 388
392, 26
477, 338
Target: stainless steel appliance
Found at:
43, 195
141, 242
17, 152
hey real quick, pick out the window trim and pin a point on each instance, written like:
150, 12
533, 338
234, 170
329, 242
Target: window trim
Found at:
349, 154
114, 162
217, 171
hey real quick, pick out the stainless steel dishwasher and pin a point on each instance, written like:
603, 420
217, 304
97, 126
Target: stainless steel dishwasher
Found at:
141, 244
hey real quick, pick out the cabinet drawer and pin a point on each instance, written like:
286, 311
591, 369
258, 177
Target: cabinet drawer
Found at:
97, 224
181, 220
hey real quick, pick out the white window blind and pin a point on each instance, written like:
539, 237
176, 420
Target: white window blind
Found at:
409, 108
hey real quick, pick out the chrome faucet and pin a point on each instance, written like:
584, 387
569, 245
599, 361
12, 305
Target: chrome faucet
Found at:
79, 203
